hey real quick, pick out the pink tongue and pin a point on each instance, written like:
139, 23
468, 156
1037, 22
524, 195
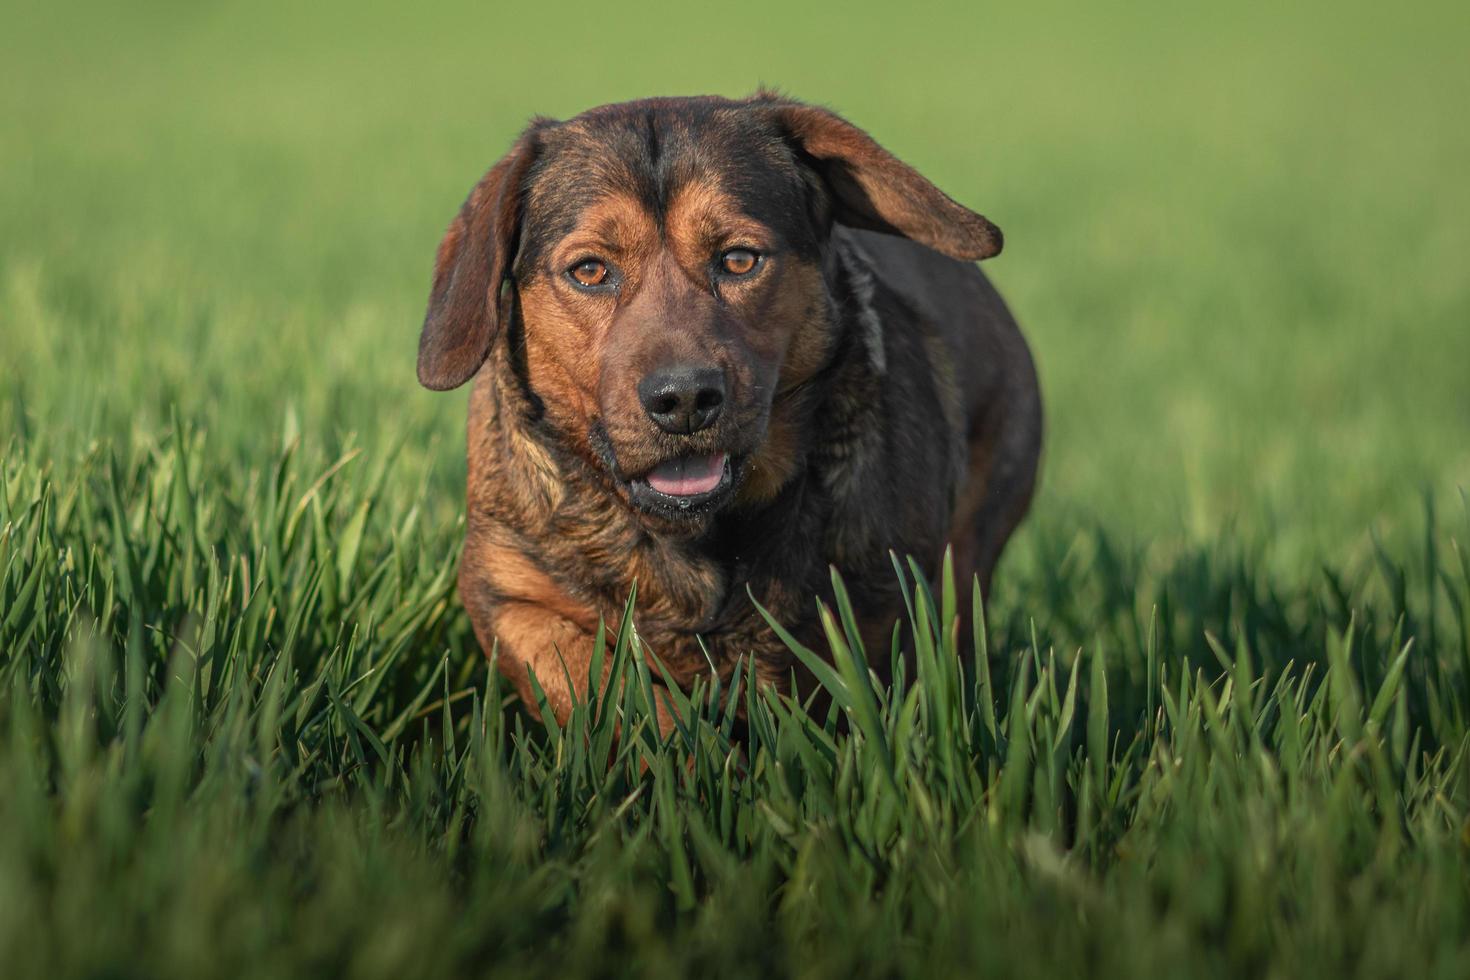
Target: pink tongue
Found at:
688, 476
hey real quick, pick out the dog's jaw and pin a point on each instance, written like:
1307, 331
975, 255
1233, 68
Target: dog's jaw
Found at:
687, 513
683, 516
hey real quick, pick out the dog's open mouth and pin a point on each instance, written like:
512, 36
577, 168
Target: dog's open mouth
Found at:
689, 476
685, 483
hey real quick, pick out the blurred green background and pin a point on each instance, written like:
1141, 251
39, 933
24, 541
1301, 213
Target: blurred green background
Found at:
244, 728
1237, 238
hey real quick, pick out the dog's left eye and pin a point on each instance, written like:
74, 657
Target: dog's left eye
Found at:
739, 261
590, 272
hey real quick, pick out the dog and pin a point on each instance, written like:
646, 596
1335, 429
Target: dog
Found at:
719, 347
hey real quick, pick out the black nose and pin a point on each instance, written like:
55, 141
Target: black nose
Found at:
683, 399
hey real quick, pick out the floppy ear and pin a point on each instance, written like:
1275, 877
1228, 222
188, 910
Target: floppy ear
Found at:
873, 189
474, 256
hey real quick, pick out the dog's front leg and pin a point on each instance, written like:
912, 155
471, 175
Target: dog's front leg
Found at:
533, 639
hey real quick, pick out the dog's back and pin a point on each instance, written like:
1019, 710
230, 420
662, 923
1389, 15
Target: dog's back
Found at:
985, 366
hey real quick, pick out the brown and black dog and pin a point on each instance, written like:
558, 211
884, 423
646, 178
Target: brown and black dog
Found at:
719, 347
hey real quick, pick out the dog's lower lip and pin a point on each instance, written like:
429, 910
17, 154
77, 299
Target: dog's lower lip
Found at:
689, 476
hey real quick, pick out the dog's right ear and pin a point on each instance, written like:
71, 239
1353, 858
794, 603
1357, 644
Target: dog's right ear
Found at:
474, 258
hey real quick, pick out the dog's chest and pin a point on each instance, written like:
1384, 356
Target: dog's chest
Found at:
692, 597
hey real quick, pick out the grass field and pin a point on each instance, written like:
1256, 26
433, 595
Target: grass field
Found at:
1219, 719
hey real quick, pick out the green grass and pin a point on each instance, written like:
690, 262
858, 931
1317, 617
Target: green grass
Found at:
1219, 719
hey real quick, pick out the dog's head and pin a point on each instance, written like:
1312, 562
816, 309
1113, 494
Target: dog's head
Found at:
662, 264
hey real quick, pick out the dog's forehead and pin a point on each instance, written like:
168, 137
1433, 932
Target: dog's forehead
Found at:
651, 151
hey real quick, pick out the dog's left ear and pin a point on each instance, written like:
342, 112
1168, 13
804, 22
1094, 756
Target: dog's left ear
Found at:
873, 189
474, 257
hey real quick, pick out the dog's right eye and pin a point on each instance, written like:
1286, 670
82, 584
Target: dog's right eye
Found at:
589, 272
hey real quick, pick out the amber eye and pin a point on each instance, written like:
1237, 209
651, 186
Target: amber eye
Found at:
739, 261
589, 273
